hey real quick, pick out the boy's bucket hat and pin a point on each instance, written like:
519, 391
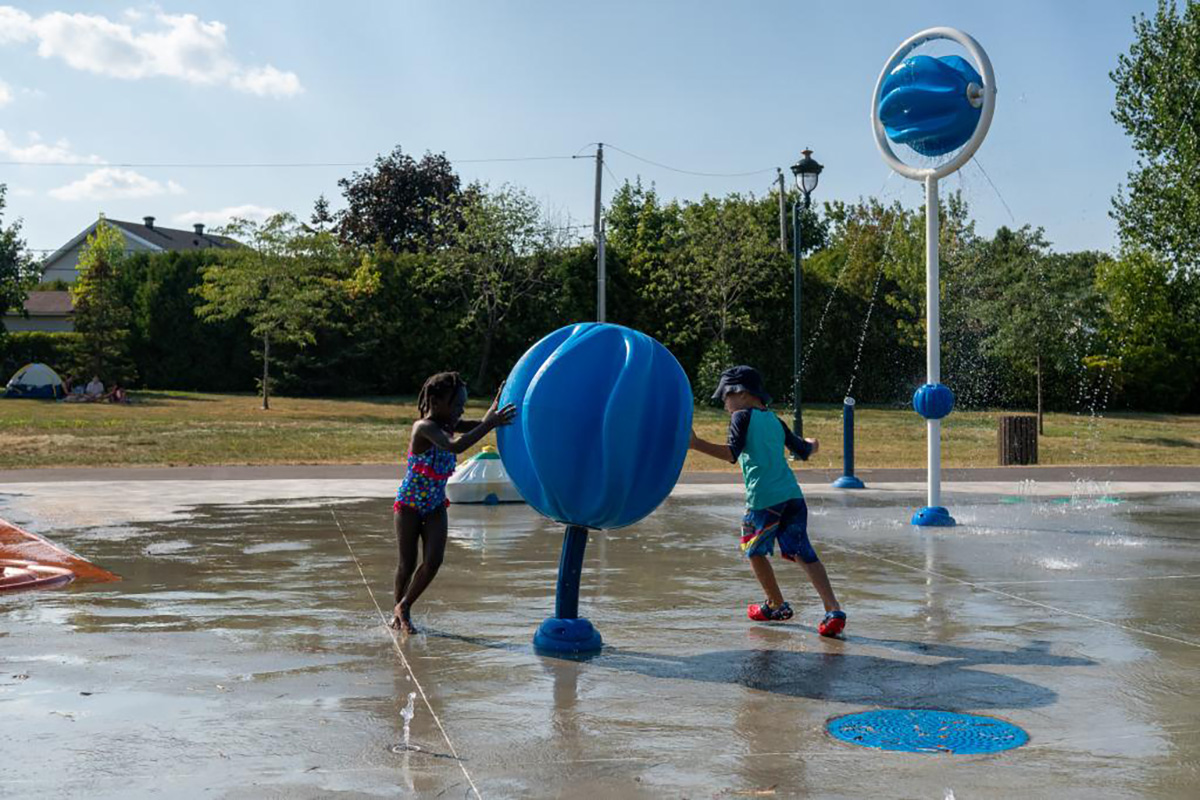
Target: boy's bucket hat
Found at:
741, 379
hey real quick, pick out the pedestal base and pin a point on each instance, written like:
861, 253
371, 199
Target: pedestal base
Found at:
848, 482
933, 517
556, 635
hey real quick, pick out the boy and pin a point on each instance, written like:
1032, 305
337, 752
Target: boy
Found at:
775, 508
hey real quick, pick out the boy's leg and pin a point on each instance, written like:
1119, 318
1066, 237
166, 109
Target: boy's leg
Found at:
820, 581
434, 533
766, 577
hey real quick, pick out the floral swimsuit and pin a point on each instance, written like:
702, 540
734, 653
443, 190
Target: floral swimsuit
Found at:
424, 486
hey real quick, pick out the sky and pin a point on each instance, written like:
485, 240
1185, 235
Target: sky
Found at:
107, 107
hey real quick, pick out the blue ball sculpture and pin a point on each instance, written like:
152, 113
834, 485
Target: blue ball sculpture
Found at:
925, 103
604, 418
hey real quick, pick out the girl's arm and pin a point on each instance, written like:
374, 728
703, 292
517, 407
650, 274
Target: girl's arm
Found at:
494, 418
713, 449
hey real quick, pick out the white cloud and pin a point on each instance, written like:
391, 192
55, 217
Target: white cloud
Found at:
5, 94
15, 25
268, 80
180, 46
108, 183
40, 152
215, 219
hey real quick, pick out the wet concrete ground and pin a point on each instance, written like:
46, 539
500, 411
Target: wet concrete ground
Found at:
243, 656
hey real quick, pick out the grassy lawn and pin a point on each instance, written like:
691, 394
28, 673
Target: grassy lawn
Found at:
178, 428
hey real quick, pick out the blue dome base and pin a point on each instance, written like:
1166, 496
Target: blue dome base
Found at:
933, 517
556, 635
848, 482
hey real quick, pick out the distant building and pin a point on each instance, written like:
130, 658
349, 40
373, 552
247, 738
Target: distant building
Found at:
145, 237
47, 311
53, 311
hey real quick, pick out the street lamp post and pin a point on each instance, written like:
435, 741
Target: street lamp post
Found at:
807, 172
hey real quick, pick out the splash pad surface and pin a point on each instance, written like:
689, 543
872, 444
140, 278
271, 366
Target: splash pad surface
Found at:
243, 655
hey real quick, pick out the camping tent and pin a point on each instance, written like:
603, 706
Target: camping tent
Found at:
37, 381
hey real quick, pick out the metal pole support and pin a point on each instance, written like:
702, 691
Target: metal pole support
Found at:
848, 481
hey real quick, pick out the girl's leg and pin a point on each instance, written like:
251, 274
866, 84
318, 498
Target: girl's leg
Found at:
433, 537
407, 524
820, 581
766, 577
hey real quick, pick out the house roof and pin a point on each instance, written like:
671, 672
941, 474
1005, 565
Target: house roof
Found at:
154, 238
173, 238
49, 304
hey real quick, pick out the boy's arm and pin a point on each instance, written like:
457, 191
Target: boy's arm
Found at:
713, 449
739, 424
803, 448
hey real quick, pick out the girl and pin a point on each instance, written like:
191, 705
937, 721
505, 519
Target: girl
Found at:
420, 508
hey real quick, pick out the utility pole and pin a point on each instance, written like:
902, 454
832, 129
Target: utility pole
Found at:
601, 277
782, 214
598, 232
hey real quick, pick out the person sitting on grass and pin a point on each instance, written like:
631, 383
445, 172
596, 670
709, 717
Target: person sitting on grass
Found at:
775, 507
94, 390
419, 513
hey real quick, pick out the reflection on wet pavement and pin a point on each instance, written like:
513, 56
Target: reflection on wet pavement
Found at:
242, 656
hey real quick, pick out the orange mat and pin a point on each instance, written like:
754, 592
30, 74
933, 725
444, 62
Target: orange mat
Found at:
21, 545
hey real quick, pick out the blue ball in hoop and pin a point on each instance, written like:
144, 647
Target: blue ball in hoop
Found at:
931, 104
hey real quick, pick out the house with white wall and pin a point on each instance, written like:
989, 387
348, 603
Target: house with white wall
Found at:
52, 310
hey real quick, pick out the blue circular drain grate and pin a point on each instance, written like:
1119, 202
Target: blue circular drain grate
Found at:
920, 731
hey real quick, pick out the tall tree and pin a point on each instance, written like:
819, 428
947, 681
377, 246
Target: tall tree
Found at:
495, 259
1150, 337
1158, 104
1036, 306
406, 205
101, 315
281, 281
16, 265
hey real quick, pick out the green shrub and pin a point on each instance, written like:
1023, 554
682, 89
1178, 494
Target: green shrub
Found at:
25, 347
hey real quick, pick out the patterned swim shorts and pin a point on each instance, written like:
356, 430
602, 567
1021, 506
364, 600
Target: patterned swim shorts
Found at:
786, 523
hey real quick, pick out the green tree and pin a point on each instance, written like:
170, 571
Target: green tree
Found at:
171, 346
727, 256
101, 315
17, 271
1150, 337
497, 257
1036, 308
404, 204
1157, 101
282, 281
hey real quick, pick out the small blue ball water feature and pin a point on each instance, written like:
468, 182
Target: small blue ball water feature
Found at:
604, 418
933, 401
931, 104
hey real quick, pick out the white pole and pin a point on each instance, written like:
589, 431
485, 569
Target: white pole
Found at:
933, 337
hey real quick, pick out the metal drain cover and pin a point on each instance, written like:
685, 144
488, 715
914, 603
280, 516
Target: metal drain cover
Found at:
923, 731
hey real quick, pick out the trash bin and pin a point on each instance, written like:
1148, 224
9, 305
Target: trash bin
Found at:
1017, 439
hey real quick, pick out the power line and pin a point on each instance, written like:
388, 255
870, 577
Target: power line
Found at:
691, 172
256, 165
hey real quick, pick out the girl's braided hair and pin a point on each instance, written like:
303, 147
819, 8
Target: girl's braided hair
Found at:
440, 386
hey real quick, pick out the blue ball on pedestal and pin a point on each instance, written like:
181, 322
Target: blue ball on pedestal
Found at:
604, 419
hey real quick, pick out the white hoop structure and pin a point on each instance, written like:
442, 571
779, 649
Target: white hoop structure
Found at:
933, 513
985, 117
